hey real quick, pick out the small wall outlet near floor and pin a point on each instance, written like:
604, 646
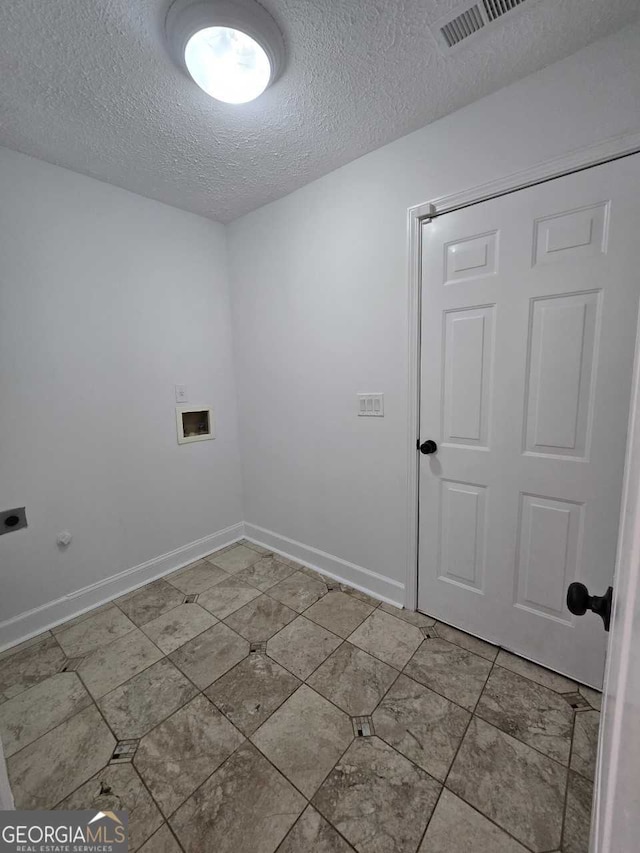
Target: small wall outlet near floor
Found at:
370, 405
12, 519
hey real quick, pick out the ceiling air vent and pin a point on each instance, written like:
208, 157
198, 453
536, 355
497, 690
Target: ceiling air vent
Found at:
470, 19
497, 8
463, 26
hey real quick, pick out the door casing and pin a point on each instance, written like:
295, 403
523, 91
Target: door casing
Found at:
584, 158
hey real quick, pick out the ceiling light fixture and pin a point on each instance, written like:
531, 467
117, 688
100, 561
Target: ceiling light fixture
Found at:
232, 49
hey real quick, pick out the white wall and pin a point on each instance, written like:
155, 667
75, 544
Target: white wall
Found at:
106, 301
319, 287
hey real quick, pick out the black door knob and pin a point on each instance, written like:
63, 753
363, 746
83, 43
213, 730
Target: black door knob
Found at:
579, 601
428, 446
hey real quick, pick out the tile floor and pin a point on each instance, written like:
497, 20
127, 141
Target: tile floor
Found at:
283, 712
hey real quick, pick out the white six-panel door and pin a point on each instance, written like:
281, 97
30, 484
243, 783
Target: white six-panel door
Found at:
529, 309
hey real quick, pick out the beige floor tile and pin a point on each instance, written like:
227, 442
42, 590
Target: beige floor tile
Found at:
450, 670
235, 559
313, 834
392, 640
76, 620
298, 591
536, 673
264, 574
136, 707
512, 784
457, 828
197, 577
31, 714
226, 597
26, 644
245, 807
251, 691
301, 646
178, 626
528, 711
117, 662
60, 761
467, 641
377, 799
119, 788
353, 680
359, 594
577, 822
209, 655
28, 666
304, 738
339, 612
162, 842
585, 743
312, 573
410, 616
150, 602
179, 754
254, 546
295, 564
421, 725
94, 632
260, 619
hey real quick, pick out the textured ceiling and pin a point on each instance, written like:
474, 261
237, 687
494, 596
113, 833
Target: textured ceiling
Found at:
88, 84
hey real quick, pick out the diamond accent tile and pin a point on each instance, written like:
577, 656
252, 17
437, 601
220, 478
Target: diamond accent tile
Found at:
577, 701
362, 726
124, 751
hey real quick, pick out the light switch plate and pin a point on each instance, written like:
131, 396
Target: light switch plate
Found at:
370, 405
181, 394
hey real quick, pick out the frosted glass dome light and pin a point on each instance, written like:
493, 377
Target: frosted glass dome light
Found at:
228, 64
233, 49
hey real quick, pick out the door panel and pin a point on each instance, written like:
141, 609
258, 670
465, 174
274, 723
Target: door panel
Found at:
468, 346
528, 322
559, 370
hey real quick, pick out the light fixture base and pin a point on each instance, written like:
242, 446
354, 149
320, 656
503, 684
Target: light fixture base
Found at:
187, 17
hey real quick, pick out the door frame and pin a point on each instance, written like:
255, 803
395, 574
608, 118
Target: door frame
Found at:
610, 149
610, 782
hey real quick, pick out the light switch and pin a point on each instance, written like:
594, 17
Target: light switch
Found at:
371, 405
181, 394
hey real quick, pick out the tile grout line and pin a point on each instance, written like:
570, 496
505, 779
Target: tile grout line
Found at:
455, 755
566, 791
474, 715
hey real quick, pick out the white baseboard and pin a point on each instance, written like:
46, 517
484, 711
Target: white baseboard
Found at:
32, 622
363, 579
